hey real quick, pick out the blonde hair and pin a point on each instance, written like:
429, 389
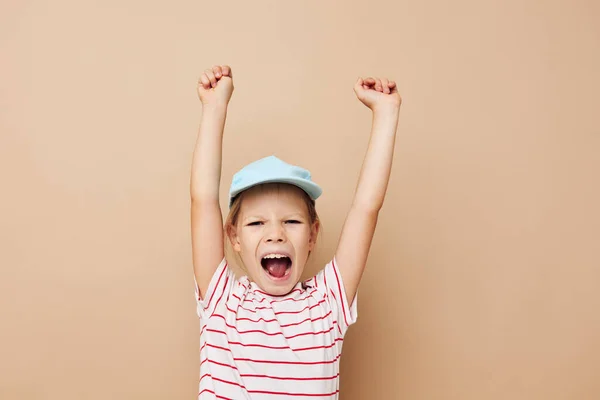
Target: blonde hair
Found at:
236, 206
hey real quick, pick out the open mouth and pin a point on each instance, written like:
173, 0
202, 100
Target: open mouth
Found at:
277, 266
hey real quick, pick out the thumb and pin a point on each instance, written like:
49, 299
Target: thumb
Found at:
358, 86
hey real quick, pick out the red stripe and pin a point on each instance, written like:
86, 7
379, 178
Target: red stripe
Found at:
216, 286
261, 346
273, 347
203, 376
216, 395
286, 347
274, 320
338, 325
342, 295
279, 333
298, 312
321, 347
214, 346
222, 293
248, 319
325, 378
280, 301
218, 363
265, 376
307, 319
265, 293
268, 392
289, 362
296, 394
268, 333
228, 382
278, 312
271, 361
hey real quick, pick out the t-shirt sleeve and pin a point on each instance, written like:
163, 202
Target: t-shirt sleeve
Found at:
218, 290
329, 282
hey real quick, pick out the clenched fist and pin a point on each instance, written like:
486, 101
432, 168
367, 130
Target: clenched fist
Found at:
376, 93
215, 86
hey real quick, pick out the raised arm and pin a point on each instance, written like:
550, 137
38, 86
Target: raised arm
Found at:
215, 87
382, 97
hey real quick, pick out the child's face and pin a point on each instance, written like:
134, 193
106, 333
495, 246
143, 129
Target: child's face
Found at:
274, 236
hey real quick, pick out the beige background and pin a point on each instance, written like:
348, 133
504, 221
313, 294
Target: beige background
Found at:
483, 277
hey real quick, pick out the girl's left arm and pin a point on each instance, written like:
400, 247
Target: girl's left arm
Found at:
382, 97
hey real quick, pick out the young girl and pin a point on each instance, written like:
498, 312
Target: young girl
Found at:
267, 335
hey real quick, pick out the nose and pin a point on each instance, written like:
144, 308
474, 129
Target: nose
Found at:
275, 234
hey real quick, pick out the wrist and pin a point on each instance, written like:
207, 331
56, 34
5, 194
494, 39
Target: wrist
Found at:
386, 109
215, 108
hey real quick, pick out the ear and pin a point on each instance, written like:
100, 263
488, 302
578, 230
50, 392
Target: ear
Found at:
314, 232
233, 238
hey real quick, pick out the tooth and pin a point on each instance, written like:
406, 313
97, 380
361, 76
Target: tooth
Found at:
274, 255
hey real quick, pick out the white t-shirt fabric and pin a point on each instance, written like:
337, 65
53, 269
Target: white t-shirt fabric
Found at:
257, 346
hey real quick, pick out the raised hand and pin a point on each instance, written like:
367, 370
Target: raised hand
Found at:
215, 85
376, 93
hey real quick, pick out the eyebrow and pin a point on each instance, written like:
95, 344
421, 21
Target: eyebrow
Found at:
288, 216
297, 216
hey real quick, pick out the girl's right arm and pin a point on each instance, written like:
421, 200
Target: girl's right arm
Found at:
215, 87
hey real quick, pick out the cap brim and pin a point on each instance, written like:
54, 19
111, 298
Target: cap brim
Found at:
311, 188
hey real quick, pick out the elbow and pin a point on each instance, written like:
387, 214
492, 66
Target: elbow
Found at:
202, 199
369, 208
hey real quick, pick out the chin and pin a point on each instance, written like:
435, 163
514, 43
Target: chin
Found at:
279, 291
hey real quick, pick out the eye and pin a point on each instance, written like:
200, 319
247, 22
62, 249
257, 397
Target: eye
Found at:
255, 223
292, 221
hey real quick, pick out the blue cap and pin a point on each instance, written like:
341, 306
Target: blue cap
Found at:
270, 170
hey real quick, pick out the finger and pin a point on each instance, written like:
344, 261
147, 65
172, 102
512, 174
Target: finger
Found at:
217, 71
211, 77
205, 81
358, 85
370, 81
384, 84
364, 84
391, 84
378, 86
226, 70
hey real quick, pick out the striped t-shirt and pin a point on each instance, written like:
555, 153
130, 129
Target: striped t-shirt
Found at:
257, 346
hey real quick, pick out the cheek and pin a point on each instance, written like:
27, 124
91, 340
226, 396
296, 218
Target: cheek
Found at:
250, 240
301, 238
